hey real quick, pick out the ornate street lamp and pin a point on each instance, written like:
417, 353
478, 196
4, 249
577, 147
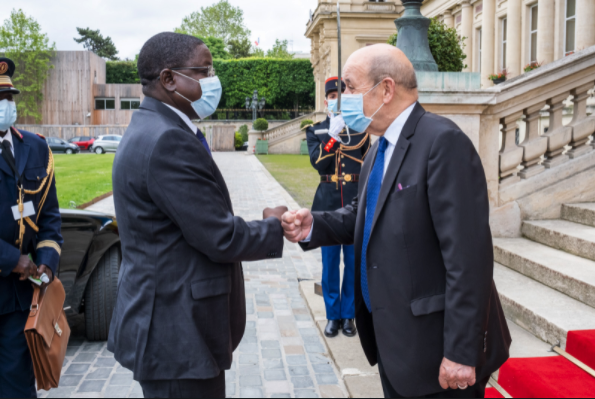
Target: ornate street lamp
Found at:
255, 104
413, 37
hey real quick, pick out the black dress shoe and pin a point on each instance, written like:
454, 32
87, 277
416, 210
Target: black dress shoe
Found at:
332, 328
348, 327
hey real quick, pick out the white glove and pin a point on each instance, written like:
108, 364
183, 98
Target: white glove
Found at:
337, 126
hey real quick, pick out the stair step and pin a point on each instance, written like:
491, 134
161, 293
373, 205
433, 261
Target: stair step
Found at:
573, 238
543, 311
579, 213
569, 274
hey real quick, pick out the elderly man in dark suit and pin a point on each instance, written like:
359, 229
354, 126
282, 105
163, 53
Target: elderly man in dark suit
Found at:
427, 309
180, 311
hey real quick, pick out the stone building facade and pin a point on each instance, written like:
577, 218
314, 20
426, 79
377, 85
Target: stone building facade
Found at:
499, 34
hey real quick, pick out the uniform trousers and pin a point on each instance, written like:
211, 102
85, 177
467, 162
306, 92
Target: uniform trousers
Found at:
211, 388
339, 301
17, 378
476, 391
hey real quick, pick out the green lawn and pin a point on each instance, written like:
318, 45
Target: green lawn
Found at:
295, 174
82, 177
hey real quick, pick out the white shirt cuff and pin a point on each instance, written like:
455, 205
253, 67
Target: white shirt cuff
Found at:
309, 238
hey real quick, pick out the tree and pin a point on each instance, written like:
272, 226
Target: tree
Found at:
257, 52
240, 48
445, 45
22, 41
94, 41
279, 50
217, 48
221, 20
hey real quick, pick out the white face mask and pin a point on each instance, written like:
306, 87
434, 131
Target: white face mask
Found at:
8, 114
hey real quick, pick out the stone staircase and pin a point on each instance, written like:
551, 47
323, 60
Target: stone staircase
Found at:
546, 279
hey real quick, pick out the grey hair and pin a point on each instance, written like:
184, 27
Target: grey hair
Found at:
383, 66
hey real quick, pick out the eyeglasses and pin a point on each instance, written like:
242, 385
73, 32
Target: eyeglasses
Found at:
209, 70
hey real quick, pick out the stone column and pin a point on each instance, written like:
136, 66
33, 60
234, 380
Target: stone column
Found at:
487, 41
545, 31
558, 135
534, 145
511, 155
585, 24
449, 20
582, 125
514, 34
467, 33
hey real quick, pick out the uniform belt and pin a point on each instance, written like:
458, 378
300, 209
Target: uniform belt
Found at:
336, 179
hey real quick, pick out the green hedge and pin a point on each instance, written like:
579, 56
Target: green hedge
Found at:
284, 83
121, 72
261, 125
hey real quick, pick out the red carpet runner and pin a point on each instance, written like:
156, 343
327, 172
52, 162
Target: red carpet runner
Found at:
552, 377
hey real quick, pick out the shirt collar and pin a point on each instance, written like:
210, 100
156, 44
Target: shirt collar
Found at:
185, 118
394, 130
8, 137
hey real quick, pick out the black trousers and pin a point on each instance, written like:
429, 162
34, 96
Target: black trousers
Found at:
476, 391
17, 378
212, 388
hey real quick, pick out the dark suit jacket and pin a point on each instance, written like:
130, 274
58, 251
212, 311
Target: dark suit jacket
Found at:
32, 157
181, 310
330, 196
430, 259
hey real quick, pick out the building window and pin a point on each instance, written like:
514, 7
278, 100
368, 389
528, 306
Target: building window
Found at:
570, 27
534, 15
129, 103
503, 46
479, 50
105, 103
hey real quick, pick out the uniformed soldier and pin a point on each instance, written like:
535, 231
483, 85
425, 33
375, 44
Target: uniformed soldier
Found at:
30, 239
339, 166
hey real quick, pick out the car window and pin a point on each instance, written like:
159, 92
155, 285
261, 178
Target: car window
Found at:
118, 138
52, 141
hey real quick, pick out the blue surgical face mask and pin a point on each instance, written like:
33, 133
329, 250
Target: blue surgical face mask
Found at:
332, 106
352, 109
211, 96
8, 114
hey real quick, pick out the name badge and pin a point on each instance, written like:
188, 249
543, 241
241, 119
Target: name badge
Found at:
27, 212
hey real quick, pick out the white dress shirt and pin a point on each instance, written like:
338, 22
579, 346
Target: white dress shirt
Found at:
392, 135
185, 118
8, 138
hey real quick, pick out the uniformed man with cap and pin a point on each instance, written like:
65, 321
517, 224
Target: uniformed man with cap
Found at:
30, 239
339, 166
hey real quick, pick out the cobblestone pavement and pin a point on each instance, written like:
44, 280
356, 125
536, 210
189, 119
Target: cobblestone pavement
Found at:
282, 353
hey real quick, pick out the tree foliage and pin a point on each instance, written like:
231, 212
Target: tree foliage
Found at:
240, 48
280, 50
261, 125
446, 47
217, 47
221, 20
94, 41
22, 41
121, 72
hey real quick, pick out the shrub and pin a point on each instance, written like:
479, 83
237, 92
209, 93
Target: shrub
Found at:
243, 130
239, 141
261, 125
121, 72
500, 75
532, 66
306, 123
445, 45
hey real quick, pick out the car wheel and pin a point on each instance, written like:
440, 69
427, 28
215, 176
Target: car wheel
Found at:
100, 295
69, 151
99, 151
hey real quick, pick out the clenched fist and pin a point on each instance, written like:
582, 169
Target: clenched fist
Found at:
297, 225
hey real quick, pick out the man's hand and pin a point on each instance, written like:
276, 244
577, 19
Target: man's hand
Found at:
297, 225
45, 269
276, 212
456, 376
25, 268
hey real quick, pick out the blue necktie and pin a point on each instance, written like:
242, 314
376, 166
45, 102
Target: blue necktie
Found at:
374, 185
203, 140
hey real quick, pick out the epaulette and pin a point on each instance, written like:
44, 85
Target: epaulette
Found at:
17, 134
307, 126
41, 136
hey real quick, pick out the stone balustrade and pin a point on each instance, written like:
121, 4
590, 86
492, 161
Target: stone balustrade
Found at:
286, 130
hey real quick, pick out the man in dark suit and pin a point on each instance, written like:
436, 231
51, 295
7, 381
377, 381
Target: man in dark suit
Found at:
180, 311
339, 166
26, 176
427, 309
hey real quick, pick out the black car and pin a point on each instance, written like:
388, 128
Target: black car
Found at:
89, 267
59, 145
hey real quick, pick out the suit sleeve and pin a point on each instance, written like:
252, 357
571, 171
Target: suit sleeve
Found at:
459, 206
49, 237
333, 228
9, 257
319, 158
182, 183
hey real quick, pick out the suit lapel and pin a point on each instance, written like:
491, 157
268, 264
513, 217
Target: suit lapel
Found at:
4, 167
397, 159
